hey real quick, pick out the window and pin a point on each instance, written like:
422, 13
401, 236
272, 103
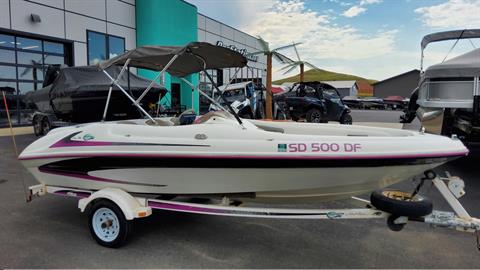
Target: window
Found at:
7, 41
29, 44
101, 47
23, 61
7, 56
97, 48
8, 72
116, 46
51, 47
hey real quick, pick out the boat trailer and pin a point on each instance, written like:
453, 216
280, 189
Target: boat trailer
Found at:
132, 207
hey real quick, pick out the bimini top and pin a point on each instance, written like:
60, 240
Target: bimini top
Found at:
449, 35
465, 65
192, 58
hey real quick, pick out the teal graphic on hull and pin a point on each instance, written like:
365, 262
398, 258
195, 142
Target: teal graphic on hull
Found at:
282, 147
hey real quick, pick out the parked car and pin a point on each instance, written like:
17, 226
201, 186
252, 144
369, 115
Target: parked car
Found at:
314, 101
243, 97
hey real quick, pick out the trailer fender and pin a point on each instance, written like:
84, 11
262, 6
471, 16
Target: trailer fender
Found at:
131, 207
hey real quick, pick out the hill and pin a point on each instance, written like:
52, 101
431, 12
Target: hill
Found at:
323, 75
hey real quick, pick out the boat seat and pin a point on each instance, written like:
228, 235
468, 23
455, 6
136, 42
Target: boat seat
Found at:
127, 122
185, 118
158, 122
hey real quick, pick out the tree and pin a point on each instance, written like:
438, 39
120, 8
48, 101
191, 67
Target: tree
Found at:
271, 53
294, 64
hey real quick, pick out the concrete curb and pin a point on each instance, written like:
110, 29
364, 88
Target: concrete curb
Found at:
16, 130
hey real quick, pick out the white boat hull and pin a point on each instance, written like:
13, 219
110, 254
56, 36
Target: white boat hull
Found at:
235, 162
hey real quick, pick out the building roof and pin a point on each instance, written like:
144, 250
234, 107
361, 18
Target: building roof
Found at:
364, 87
399, 75
340, 84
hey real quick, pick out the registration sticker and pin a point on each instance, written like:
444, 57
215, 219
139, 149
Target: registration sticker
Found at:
320, 147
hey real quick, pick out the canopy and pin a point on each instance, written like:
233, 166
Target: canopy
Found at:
448, 35
465, 65
190, 58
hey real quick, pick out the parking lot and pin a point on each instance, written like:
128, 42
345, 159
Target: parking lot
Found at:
50, 232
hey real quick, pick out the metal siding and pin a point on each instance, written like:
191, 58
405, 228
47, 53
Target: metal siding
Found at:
5, 14
400, 86
77, 26
92, 8
121, 13
80, 52
52, 23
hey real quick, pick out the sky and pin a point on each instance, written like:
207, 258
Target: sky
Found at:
375, 39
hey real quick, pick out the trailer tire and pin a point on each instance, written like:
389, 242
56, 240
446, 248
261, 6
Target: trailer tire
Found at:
400, 203
37, 126
394, 226
107, 224
46, 125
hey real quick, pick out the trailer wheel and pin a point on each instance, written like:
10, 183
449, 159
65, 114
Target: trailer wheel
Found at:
400, 203
37, 126
394, 226
46, 126
107, 224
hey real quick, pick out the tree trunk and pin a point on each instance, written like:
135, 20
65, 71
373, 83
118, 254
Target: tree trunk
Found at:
268, 98
301, 72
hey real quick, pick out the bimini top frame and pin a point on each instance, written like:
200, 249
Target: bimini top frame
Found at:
447, 35
177, 61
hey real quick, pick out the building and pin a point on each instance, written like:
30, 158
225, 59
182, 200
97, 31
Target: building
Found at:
344, 88
364, 89
36, 33
400, 85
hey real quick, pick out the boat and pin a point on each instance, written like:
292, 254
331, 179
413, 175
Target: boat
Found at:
394, 102
222, 155
372, 103
447, 96
78, 94
352, 102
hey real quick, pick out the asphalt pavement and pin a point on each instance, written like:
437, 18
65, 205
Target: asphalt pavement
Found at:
50, 232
